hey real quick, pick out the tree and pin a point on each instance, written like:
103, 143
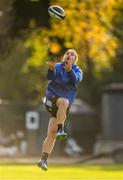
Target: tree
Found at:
118, 33
5, 21
92, 28
88, 29
14, 53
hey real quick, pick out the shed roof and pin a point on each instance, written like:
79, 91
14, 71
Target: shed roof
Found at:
81, 107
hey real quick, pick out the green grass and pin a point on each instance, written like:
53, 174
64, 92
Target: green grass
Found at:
57, 172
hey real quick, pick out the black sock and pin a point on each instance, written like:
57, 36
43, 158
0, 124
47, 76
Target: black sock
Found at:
60, 127
44, 156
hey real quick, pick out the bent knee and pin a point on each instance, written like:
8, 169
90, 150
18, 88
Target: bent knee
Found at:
63, 102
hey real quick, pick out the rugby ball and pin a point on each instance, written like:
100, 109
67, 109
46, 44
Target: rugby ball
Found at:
56, 12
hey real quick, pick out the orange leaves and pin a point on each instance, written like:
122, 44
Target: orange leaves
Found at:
55, 47
86, 22
90, 22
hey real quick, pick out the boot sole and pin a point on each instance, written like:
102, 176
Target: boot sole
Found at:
42, 167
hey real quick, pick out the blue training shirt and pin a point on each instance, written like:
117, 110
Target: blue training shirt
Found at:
62, 83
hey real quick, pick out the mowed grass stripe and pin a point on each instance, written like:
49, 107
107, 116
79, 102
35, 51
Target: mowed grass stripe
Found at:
66, 172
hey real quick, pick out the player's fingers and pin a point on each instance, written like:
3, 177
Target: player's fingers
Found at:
69, 64
51, 61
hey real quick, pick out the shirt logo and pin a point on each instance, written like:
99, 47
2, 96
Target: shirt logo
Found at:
48, 103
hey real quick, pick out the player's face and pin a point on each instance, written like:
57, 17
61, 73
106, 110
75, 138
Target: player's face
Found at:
69, 57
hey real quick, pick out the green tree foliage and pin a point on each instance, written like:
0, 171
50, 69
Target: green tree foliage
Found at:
6, 17
16, 80
29, 14
118, 33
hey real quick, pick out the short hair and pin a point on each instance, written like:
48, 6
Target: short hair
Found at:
75, 53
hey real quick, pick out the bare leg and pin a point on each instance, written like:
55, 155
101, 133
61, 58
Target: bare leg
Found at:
51, 136
52, 133
62, 104
48, 143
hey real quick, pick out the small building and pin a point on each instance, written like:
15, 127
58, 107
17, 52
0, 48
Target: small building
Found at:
84, 123
110, 141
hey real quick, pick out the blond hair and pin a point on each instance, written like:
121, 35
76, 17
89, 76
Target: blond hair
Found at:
75, 53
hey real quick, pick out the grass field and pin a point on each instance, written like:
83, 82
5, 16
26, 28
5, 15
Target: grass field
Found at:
63, 172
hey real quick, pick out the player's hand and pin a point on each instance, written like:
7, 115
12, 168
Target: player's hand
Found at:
68, 67
51, 65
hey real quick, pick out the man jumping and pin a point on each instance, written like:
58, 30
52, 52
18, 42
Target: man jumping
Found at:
64, 78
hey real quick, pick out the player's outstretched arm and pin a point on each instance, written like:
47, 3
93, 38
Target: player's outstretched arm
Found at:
51, 68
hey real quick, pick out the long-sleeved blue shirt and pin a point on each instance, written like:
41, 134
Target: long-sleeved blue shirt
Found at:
62, 83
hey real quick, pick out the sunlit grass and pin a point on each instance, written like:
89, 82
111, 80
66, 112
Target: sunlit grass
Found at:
57, 172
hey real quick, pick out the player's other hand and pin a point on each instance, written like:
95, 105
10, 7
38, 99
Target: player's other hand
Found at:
68, 67
51, 65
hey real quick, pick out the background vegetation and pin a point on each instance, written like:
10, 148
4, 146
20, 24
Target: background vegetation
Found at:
28, 38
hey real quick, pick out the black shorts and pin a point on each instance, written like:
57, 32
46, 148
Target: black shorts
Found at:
51, 106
